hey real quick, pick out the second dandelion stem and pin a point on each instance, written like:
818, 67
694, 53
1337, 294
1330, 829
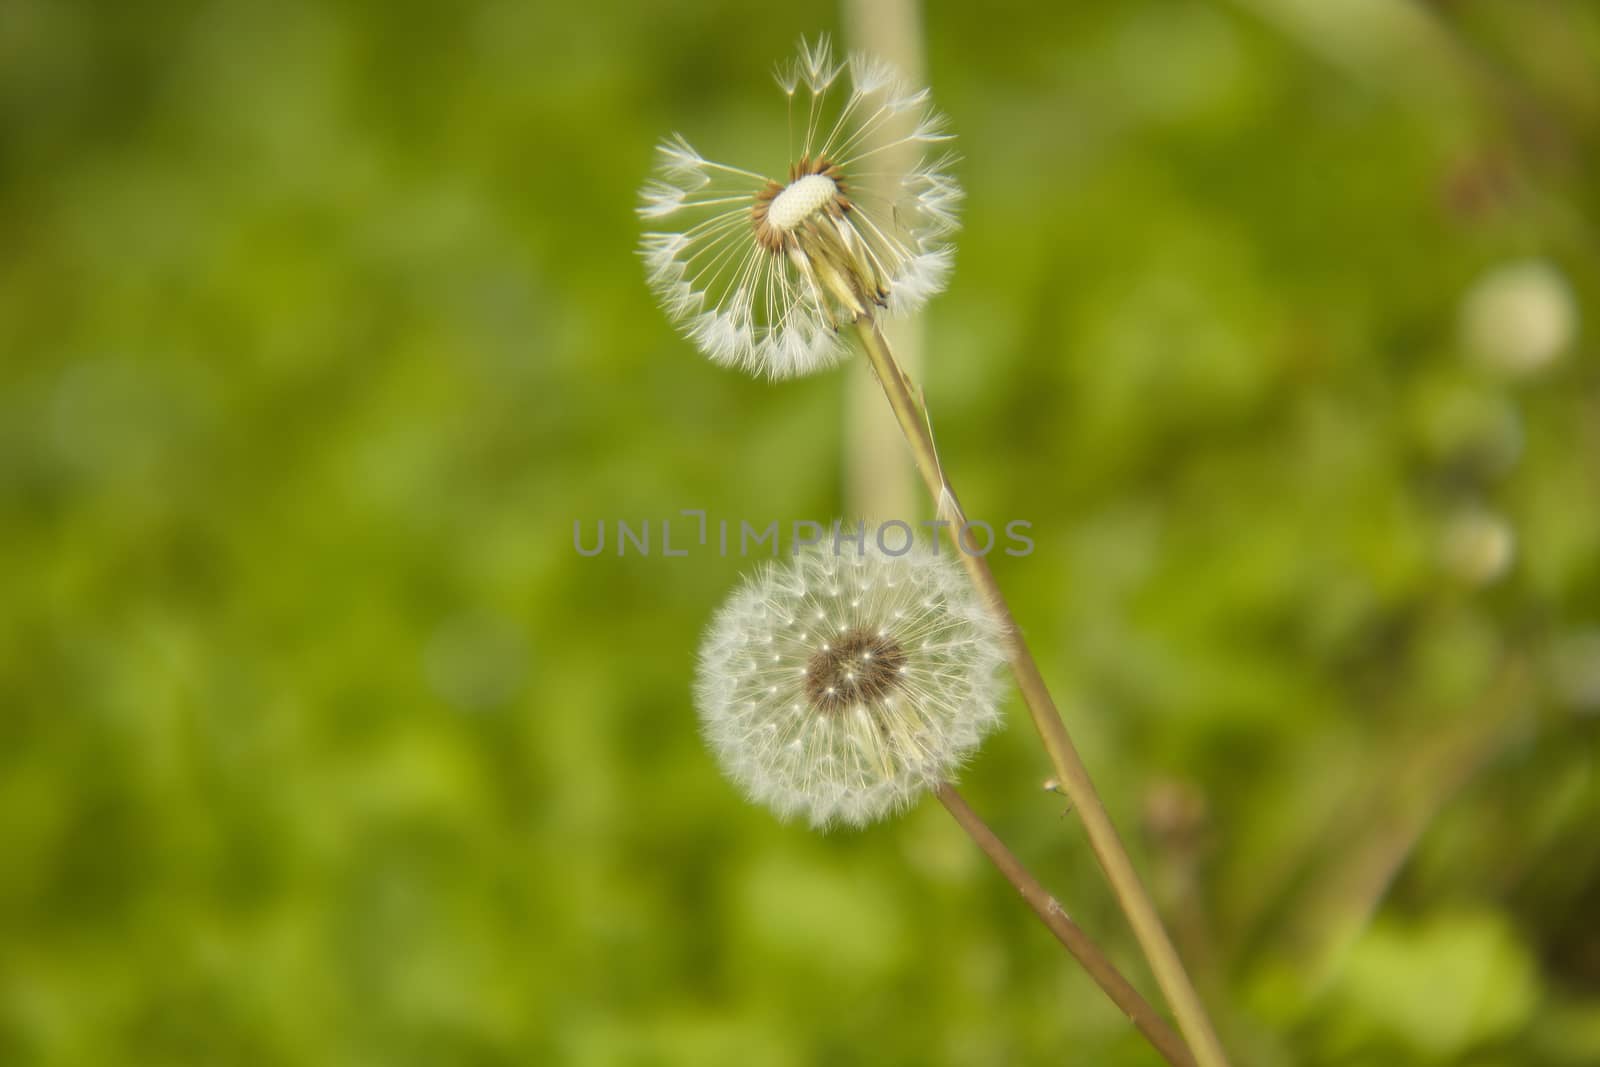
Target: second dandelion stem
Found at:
1103, 838
1050, 912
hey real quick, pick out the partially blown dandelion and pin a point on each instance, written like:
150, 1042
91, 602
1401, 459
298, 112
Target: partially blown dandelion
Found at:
759, 272
843, 685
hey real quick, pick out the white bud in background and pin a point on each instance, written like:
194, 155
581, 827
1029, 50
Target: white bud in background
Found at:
1478, 546
1519, 318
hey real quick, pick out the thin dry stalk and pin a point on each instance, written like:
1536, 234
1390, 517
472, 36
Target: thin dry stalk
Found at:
1069, 933
1130, 892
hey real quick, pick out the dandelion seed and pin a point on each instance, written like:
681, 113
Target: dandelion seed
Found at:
761, 272
855, 719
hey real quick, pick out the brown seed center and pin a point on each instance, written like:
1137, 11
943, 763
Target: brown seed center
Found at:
774, 227
856, 668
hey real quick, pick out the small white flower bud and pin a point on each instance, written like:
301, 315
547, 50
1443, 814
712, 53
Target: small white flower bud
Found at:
1478, 546
1520, 317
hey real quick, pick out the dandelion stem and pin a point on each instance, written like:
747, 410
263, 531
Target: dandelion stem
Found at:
1075, 781
1069, 933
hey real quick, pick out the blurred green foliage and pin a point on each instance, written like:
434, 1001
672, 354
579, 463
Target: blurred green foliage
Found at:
320, 324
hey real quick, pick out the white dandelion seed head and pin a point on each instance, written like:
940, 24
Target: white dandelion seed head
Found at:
760, 271
840, 686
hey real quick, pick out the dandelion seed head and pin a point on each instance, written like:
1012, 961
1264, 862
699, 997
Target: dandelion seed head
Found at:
760, 272
851, 719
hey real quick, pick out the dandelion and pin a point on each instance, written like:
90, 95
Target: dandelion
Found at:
842, 685
761, 272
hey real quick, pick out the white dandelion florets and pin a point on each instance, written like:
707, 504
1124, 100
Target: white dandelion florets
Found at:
760, 272
840, 686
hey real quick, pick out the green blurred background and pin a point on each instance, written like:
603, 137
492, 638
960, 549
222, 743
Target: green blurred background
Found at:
320, 324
